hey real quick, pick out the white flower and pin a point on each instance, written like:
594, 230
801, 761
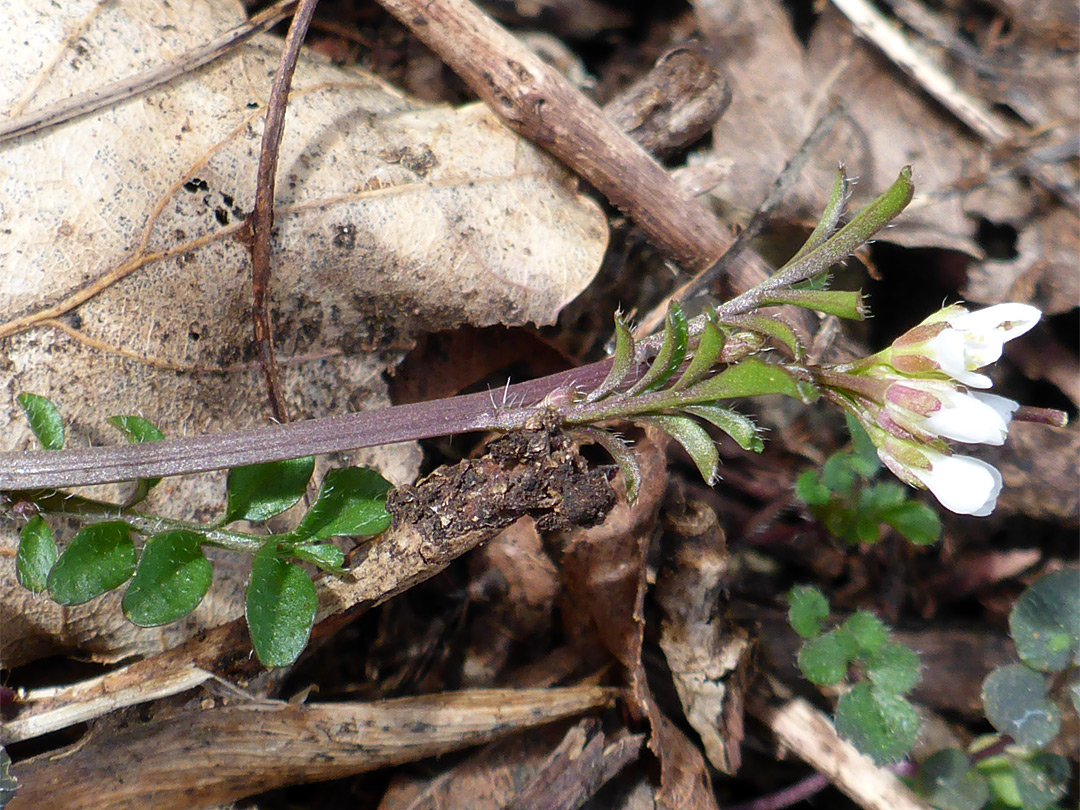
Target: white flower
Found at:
941, 409
972, 340
965, 485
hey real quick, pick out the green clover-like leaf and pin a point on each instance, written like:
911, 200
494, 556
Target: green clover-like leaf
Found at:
893, 668
36, 555
917, 522
1045, 621
172, 578
260, 491
824, 660
351, 503
138, 430
326, 556
807, 610
100, 557
947, 780
810, 490
1041, 779
280, 608
869, 632
882, 725
1014, 697
44, 419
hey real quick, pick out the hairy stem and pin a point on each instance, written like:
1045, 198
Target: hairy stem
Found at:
63, 503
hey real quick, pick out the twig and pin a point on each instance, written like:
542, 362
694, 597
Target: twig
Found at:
540, 104
992, 128
86, 103
262, 218
198, 756
809, 733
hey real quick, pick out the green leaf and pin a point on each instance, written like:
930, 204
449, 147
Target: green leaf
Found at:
829, 217
620, 453
881, 496
947, 780
260, 491
280, 608
1014, 698
867, 528
36, 555
858, 231
138, 430
1045, 621
868, 631
916, 521
172, 578
326, 556
694, 440
837, 474
841, 303
706, 353
1041, 779
770, 326
101, 557
807, 610
882, 725
824, 660
672, 352
351, 503
866, 462
44, 420
741, 428
621, 363
748, 378
1000, 778
810, 490
893, 668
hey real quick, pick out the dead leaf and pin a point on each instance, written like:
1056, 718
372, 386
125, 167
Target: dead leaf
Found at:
604, 577
781, 89
520, 584
708, 657
125, 286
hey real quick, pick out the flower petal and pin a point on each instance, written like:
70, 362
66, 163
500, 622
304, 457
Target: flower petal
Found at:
964, 485
971, 418
1007, 320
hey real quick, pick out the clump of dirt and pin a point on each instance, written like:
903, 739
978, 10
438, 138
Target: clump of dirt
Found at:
538, 473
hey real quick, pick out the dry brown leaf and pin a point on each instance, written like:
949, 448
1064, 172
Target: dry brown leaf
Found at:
708, 658
125, 286
781, 89
521, 584
604, 578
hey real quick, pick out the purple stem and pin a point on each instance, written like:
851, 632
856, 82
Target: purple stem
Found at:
332, 434
793, 794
